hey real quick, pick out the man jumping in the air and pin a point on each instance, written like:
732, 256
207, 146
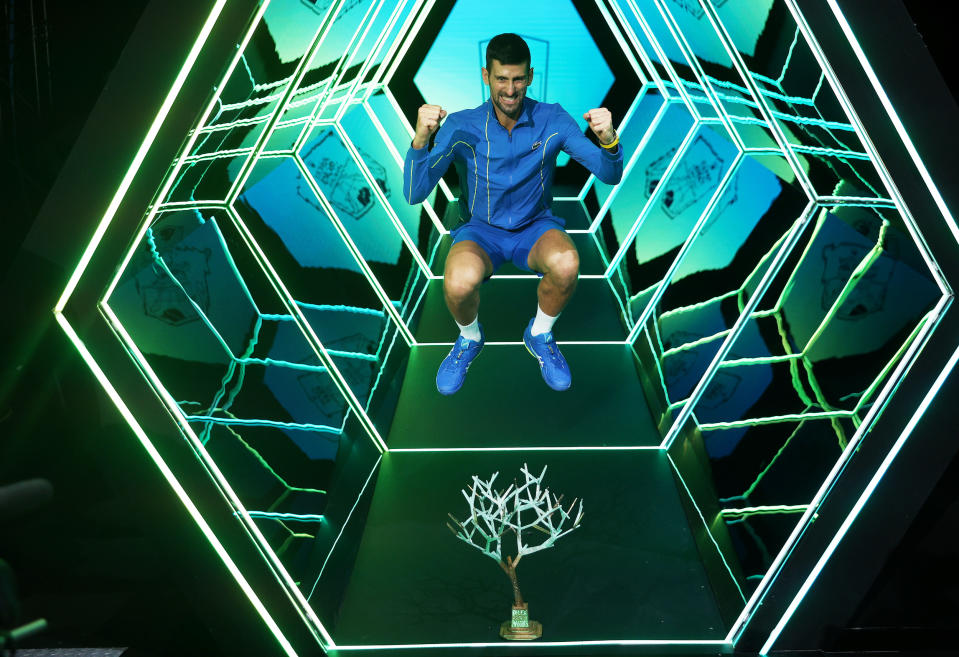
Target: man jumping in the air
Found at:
505, 153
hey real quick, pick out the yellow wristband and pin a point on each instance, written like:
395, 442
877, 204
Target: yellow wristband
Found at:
608, 146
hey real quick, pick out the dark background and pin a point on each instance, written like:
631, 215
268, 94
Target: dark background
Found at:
105, 561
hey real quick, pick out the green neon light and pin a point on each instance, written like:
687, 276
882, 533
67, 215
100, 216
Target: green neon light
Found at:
755, 92
296, 517
643, 55
285, 97
687, 244
346, 522
793, 236
772, 573
867, 143
775, 419
773, 509
861, 502
174, 484
653, 199
558, 448
752, 487
661, 56
887, 105
712, 97
229, 494
709, 532
354, 250
141, 154
609, 642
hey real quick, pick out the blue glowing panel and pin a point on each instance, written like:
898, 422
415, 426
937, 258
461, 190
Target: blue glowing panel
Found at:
287, 204
567, 66
744, 19
887, 299
731, 393
160, 310
293, 23
641, 180
310, 397
747, 198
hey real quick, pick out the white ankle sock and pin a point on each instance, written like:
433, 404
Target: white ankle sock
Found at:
470, 331
543, 322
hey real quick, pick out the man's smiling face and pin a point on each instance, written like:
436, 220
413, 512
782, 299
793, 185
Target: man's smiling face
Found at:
507, 86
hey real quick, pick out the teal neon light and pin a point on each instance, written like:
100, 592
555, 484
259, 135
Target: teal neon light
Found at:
860, 503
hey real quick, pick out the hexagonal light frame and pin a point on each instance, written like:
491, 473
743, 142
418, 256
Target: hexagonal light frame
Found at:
418, 13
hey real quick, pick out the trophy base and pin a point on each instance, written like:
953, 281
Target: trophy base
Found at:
534, 631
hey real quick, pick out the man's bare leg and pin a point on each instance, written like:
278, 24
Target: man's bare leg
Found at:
466, 266
555, 255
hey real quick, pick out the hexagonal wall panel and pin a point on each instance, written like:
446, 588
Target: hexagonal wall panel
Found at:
282, 302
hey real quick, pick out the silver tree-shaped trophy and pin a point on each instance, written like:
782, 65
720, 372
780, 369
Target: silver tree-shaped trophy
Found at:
537, 519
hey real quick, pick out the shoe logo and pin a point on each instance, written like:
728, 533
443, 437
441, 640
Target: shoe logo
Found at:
536, 145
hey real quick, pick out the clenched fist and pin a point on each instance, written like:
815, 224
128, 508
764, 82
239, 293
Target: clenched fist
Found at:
427, 122
601, 123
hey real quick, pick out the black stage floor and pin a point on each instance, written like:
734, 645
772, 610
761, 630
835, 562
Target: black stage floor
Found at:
630, 572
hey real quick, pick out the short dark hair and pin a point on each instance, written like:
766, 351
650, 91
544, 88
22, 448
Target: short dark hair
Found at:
507, 48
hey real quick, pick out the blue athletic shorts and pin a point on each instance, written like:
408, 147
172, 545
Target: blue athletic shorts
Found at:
501, 244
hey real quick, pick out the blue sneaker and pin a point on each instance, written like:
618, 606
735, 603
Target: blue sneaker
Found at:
452, 370
551, 362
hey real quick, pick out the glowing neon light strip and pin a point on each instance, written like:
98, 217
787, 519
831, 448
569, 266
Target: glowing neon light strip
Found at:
423, 7
622, 42
709, 532
643, 55
356, 83
693, 62
853, 117
172, 177
304, 325
793, 237
175, 484
934, 316
299, 73
857, 274
861, 502
764, 109
248, 422
140, 154
609, 642
354, 250
342, 529
653, 199
704, 216
548, 448
661, 56
296, 517
894, 117
378, 193
389, 59
222, 484
633, 159
774, 419
599, 343
765, 510
345, 90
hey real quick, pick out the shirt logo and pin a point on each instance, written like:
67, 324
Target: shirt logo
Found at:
536, 145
